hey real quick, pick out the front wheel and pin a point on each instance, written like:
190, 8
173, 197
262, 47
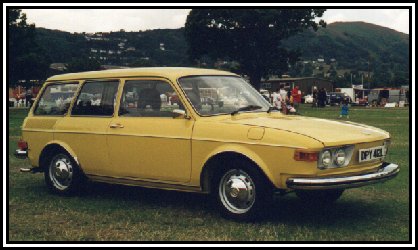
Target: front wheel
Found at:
63, 175
242, 192
320, 197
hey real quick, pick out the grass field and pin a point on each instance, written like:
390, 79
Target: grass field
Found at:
110, 212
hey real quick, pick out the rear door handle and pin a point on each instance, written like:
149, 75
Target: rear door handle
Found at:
116, 125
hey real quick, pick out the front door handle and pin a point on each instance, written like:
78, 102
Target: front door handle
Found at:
116, 125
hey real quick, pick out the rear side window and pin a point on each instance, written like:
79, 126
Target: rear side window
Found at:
56, 99
96, 99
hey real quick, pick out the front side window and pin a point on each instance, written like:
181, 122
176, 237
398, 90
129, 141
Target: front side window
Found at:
96, 99
213, 95
148, 98
56, 99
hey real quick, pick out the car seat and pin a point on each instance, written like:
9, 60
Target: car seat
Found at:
149, 97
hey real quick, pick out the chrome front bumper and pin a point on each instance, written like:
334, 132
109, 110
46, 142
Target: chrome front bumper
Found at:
21, 154
385, 172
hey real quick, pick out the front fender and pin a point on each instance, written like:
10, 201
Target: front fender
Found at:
240, 149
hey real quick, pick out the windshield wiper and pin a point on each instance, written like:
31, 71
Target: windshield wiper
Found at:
271, 108
246, 108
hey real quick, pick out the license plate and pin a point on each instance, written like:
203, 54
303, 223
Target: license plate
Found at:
371, 154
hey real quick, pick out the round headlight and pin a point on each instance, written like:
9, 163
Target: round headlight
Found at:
326, 158
340, 157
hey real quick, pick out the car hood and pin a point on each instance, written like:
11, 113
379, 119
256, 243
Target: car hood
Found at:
329, 132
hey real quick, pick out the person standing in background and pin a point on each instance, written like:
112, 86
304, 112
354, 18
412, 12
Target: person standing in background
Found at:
28, 98
276, 99
283, 95
322, 96
297, 97
315, 97
344, 109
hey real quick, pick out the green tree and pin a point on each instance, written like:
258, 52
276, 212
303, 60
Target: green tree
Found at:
141, 62
307, 70
332, 72
82, 64
382, 75
296, 69
27, 61
250, 37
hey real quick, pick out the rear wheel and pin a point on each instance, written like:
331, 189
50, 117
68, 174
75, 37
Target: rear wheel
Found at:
63, 175
241, 191
320, 197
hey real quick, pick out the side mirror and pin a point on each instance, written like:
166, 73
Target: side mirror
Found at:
180, 113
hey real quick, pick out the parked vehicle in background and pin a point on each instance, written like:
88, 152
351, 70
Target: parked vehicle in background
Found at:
361, 96
348, 91
381, 96
405, 89
337, 98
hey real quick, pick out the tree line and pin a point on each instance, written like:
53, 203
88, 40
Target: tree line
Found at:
256, 43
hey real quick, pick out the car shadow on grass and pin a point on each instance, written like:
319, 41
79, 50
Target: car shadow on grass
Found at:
148, 197
286, 209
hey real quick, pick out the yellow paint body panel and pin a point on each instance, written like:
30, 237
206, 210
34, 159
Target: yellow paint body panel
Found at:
153, 148
86, 136
171, 153
255, 133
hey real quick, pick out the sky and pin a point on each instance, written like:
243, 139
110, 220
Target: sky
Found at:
105, 20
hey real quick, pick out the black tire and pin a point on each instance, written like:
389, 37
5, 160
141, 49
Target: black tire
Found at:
241, 172
62, 174
320, 197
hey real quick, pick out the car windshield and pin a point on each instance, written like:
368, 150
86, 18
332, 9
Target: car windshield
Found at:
214, 95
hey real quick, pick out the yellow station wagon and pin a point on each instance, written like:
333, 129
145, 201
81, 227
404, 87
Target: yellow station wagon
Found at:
195, 130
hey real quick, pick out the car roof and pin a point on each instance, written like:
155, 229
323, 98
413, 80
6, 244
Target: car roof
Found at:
165, 72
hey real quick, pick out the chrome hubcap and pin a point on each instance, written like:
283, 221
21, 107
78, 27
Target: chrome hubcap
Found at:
237, 191
61, 172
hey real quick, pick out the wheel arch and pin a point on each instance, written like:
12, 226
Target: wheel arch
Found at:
225, 154
54, 146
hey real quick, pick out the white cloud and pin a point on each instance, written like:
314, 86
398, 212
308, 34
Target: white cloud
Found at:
94, 20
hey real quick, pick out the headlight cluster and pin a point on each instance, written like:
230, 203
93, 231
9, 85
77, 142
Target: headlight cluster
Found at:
326, 158
340, 157
335, 157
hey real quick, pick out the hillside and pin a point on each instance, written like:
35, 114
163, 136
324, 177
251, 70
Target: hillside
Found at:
354, 46
63, 46
351, 43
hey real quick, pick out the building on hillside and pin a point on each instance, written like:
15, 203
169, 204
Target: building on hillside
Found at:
105, 67
306, 84
58, 66
320, 61
342, 72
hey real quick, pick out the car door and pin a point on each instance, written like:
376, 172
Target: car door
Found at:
84, 130
145, 141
